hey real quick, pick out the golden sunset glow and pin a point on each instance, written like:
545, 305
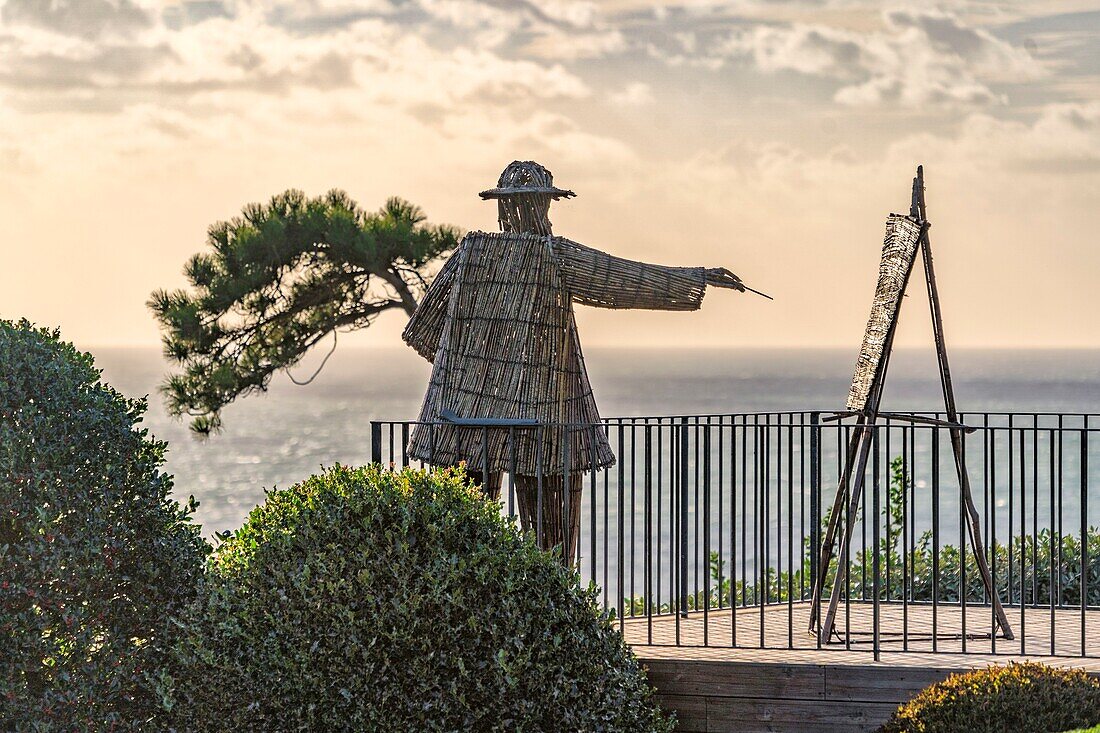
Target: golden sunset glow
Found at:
772, 139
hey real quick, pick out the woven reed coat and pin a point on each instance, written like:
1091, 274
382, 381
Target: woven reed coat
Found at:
498, 325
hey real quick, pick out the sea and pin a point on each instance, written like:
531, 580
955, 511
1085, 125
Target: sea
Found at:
281, 436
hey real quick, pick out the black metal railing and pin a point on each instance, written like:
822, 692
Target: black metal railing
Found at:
706, 531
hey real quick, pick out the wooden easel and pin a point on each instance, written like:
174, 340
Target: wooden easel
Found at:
860, 444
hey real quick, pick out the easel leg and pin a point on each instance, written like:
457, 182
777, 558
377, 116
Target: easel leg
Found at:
919, 210
825, 551
853, 514
975, 532
858, 452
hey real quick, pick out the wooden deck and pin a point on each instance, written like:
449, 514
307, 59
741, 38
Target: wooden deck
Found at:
787, 683
922, 628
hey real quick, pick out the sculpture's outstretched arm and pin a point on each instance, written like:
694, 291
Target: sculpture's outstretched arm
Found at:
425, 328
605, 281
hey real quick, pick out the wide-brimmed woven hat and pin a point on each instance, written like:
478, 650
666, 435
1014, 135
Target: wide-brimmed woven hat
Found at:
526, 177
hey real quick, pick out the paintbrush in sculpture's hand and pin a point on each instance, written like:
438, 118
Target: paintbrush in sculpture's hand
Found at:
720, 277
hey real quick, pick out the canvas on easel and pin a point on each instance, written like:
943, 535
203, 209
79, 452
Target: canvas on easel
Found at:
905, 235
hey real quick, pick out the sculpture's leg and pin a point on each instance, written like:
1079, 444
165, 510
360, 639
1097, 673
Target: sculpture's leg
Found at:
545, 518
490, 488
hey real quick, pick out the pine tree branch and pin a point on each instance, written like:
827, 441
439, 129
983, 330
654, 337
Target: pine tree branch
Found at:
279, 279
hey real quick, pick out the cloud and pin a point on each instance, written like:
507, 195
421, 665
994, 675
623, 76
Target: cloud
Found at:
444, 64
985, 54
565, 30
196, 80
1063, 139
567, 13
483, 77
918, 58
819, 51
485, 25
634, 94
250, 52
567, 45
83, 70
540, 136
300, 9
83, 18
107, 54
1000, 163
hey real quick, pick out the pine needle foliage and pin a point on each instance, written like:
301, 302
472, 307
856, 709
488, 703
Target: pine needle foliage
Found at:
278, 279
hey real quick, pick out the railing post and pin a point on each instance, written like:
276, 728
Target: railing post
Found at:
621, 513
815, 494
876, 486
539, 499
566, 512
1084, 509
375, 441
684, 473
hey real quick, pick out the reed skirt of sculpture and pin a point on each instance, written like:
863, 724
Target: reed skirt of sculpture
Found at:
523, 457
541, 510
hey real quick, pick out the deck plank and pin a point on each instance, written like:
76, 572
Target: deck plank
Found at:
743, 715
904, 632
803, 682
779, 678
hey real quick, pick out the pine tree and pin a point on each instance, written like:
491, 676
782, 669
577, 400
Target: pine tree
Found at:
277, 280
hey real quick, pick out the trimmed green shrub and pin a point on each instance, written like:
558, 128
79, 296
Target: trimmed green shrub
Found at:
94, 555
363, 599
1023, 697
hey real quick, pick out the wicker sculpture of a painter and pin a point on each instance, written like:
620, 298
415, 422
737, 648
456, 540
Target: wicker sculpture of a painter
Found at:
497, 323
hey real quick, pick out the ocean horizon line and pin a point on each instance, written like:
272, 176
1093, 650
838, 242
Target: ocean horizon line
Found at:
676, 347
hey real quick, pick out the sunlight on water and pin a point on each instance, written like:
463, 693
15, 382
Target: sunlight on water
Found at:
279, 438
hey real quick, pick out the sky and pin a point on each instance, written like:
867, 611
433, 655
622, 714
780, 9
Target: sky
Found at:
771, 138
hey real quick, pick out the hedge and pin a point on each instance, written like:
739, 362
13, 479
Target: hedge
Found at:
95, 558
1016, 697
363, 599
